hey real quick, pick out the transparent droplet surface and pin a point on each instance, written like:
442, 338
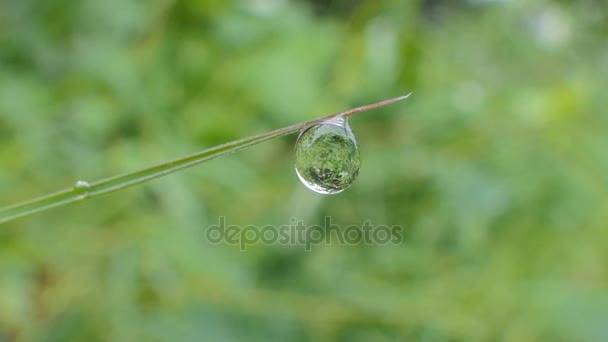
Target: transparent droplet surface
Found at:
327, 157
81, 188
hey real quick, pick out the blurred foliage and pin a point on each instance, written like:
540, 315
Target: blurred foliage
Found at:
496, 168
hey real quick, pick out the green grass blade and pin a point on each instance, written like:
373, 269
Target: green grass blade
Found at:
123, 181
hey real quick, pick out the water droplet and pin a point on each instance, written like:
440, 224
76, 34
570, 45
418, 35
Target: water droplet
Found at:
81, 188
327, 156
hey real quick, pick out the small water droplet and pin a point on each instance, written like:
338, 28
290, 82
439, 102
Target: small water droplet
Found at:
327, 156
81, 188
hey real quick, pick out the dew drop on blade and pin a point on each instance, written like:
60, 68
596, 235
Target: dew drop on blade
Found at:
327, 156
81, 188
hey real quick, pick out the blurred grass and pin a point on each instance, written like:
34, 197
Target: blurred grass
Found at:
496, 167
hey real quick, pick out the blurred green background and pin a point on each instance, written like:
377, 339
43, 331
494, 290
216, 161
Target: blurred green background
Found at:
495, 167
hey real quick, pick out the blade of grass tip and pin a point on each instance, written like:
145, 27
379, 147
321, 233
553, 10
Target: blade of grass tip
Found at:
83, 190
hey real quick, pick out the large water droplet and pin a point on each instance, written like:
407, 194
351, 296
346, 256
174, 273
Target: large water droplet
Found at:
327, 156
81, 188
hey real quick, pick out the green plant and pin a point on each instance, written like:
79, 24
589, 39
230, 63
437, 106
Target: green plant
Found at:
83, 190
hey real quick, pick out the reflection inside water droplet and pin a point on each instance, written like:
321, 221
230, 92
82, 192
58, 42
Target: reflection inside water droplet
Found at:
327, 156
81, 188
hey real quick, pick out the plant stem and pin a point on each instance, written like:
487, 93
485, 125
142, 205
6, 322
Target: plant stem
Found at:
108, 185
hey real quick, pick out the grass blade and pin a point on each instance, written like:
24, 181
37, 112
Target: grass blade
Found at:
123, 181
